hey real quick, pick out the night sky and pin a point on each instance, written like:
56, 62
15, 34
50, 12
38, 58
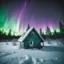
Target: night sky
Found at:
17, 14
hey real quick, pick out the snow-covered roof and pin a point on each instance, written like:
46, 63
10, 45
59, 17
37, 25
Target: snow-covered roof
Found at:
26, 34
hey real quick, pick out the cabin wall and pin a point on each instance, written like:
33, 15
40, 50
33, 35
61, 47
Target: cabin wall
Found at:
33, 36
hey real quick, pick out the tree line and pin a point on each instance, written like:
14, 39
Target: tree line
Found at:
47, 35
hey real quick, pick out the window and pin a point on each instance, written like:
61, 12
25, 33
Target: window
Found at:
41, 43
32, 33
31, 42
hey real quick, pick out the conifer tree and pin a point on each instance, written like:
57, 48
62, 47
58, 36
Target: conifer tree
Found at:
28, 27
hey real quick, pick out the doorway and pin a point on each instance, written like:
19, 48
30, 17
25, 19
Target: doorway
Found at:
31, 44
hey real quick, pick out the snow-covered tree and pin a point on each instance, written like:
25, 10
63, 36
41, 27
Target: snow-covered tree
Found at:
48, 32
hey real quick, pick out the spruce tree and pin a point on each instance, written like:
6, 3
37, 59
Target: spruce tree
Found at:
9, 32
48, 32
28, 27
41, 32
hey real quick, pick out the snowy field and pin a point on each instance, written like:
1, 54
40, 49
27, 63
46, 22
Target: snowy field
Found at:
51, 53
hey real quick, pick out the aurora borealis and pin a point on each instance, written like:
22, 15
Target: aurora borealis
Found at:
17, 14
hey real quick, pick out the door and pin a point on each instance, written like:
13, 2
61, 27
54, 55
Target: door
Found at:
31, 44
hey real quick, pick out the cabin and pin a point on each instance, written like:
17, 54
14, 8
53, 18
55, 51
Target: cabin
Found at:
31, 39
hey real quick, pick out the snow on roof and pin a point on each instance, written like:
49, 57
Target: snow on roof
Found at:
26, 34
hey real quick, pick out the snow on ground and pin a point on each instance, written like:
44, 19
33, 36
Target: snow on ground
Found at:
49, 54
56, 42
34, 57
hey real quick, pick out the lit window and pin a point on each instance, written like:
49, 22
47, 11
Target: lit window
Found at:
41, 43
